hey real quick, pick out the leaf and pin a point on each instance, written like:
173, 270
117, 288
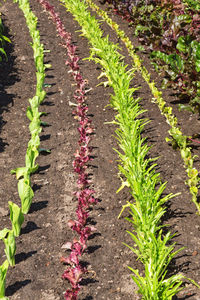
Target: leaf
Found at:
47, 66
3, 233
29, 113
34, 102
45, 124
26, 194
182, 45
34, 142
5, 38
31, 155
185, 107
197, 65
3, 51
34, 126
140, 28
46, 85
123, 185
41, 95
20, 172
10, 247
16, 217
44, 150
3, 272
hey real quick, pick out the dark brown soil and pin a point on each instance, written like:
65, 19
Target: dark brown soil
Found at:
38, 271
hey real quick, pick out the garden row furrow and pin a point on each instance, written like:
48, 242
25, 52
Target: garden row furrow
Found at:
150, 244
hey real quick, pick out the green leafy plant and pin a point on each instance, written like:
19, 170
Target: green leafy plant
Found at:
8, 238
25, 193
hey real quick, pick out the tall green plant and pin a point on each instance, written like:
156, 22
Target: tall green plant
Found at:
139, 172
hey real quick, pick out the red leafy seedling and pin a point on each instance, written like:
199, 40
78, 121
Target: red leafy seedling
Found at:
84, 195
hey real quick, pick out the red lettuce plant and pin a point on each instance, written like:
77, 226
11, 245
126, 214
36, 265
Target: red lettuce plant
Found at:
171, 29
84, 194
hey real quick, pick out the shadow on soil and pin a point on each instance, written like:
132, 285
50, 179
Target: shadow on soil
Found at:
38, 206
12, 289
8, 76
23, 256
30, 226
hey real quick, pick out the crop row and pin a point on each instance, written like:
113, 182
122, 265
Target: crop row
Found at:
138, 172
153, 248
23, 174
84, 194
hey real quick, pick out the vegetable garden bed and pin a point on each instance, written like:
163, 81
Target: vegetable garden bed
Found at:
39, 248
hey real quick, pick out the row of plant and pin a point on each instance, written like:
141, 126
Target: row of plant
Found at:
177, 138
152, 247
171, 30
23, 174
3, 40
84, 194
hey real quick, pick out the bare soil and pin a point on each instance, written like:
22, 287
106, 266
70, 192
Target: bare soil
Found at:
38, 271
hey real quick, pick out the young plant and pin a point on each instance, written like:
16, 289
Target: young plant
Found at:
10, 246
26, 194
